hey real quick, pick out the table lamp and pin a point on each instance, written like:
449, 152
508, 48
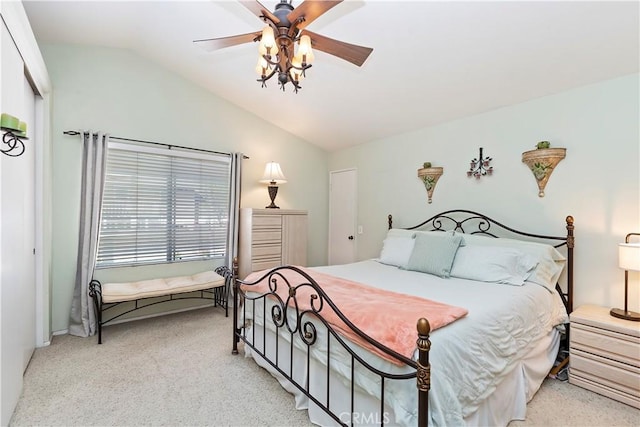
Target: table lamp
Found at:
273, 176
628, 259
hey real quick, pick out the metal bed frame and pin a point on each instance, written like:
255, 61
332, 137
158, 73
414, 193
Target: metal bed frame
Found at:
306, 321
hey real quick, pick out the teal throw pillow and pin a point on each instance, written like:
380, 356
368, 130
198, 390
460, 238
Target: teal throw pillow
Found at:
434, 252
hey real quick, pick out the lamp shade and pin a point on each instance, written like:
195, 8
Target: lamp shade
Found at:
629, 256
268, 45
273, 173
304, 49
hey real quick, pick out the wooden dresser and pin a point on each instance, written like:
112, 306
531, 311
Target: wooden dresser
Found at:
605, 354
271, 237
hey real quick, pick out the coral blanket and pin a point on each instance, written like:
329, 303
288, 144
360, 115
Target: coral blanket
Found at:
388, 317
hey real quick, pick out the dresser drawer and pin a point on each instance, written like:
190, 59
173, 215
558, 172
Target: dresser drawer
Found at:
609, 344
260, 237
267, 251
258, 265
267, 221
605, 371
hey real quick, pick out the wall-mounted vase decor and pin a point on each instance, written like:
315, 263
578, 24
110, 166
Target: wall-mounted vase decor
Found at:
14, 132
480, 166
429, 176
542, 161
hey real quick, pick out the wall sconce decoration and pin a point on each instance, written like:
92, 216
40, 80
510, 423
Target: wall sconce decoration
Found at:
273, 176
480, 166
628, 259
429, 176
14, 132
542, 161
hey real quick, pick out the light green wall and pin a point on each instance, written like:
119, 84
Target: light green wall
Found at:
116, 91
597, 183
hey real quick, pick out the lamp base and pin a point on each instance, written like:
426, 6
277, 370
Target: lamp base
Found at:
626, 315
273, 191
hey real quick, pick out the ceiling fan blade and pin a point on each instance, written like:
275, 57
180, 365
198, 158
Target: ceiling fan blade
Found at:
222, 42
311, 10
259, 10
349, 52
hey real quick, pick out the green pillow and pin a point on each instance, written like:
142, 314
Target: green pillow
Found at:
434, 253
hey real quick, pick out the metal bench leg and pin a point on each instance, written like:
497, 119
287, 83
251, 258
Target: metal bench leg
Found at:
95, 292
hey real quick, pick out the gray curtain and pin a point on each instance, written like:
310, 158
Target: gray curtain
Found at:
234, 214
83, 316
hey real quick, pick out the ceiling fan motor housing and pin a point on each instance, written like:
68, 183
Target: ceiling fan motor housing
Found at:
283, 9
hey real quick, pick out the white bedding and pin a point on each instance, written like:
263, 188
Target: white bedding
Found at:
471, 357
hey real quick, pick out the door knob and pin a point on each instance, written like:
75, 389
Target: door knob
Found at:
350, 237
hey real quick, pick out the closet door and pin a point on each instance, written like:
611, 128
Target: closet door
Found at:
17, 232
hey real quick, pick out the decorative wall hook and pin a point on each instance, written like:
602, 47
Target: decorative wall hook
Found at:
542, 162
429, 176
15, 132
15, 146
480, 166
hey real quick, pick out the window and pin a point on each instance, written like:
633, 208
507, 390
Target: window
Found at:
162, 206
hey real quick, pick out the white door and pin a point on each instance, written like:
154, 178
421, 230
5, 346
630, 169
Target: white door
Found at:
342, 216
17, 232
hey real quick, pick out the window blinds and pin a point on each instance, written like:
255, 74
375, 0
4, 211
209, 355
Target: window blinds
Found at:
163, 206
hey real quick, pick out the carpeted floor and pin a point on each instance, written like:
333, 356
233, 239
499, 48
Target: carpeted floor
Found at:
177, 370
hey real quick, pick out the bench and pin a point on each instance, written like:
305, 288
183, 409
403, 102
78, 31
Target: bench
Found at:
211, 285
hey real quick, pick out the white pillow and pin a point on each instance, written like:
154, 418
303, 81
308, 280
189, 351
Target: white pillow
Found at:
550, 261
493, 264
397, 250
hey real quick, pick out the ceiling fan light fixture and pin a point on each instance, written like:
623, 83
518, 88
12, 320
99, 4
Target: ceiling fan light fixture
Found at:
268, 45
285, 45
304, 50
262, 67
297, 70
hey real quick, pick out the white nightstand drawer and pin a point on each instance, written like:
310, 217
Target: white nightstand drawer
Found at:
609, 344
606, 371
605, 391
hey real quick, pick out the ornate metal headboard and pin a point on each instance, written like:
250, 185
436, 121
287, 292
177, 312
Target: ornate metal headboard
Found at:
470, 222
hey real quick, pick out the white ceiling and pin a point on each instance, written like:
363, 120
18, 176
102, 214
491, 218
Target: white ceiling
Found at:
433, 61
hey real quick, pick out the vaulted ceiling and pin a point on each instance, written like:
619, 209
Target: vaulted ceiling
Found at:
433, 61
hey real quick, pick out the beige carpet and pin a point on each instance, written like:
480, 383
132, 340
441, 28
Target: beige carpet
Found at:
177, 370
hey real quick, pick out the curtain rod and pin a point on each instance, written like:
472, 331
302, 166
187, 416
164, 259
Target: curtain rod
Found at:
169, 146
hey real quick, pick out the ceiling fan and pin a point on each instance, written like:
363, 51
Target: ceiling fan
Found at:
286, 27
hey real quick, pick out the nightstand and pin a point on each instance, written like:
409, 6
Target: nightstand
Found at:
605, 354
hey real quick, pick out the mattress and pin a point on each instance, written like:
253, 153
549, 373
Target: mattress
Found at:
503, 348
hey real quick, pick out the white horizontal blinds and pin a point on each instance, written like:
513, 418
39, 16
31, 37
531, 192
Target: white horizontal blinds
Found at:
163, 206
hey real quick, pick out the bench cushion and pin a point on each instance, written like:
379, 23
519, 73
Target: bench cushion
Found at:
129, 291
